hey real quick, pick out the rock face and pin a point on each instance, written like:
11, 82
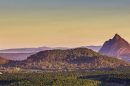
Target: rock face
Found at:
117, 46
79, 58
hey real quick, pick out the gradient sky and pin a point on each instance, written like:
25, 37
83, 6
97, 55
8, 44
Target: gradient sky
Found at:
67, 23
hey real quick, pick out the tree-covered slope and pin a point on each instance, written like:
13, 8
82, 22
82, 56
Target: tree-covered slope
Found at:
79, 58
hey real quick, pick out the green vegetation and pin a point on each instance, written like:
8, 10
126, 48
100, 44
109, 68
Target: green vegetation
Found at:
90, 78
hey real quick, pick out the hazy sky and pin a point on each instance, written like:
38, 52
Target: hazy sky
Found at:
34, 23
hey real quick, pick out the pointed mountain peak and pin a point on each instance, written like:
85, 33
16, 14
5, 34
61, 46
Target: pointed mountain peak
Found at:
117, 46
117, 37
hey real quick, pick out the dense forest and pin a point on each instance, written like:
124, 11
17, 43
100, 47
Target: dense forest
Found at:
90, 78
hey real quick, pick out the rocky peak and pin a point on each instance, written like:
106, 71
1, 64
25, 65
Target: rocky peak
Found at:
117, 37
116, 46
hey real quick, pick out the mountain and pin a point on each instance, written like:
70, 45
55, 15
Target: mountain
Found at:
94, 48
117, 47
79, 58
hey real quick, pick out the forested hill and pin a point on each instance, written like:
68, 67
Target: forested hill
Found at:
79, 58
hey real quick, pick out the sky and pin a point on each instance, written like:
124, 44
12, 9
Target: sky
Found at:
66, 23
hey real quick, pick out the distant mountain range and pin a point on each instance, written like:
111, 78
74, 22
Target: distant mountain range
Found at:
25, 50
94, 48
61, 58
117, 47
23, 53
16, 56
